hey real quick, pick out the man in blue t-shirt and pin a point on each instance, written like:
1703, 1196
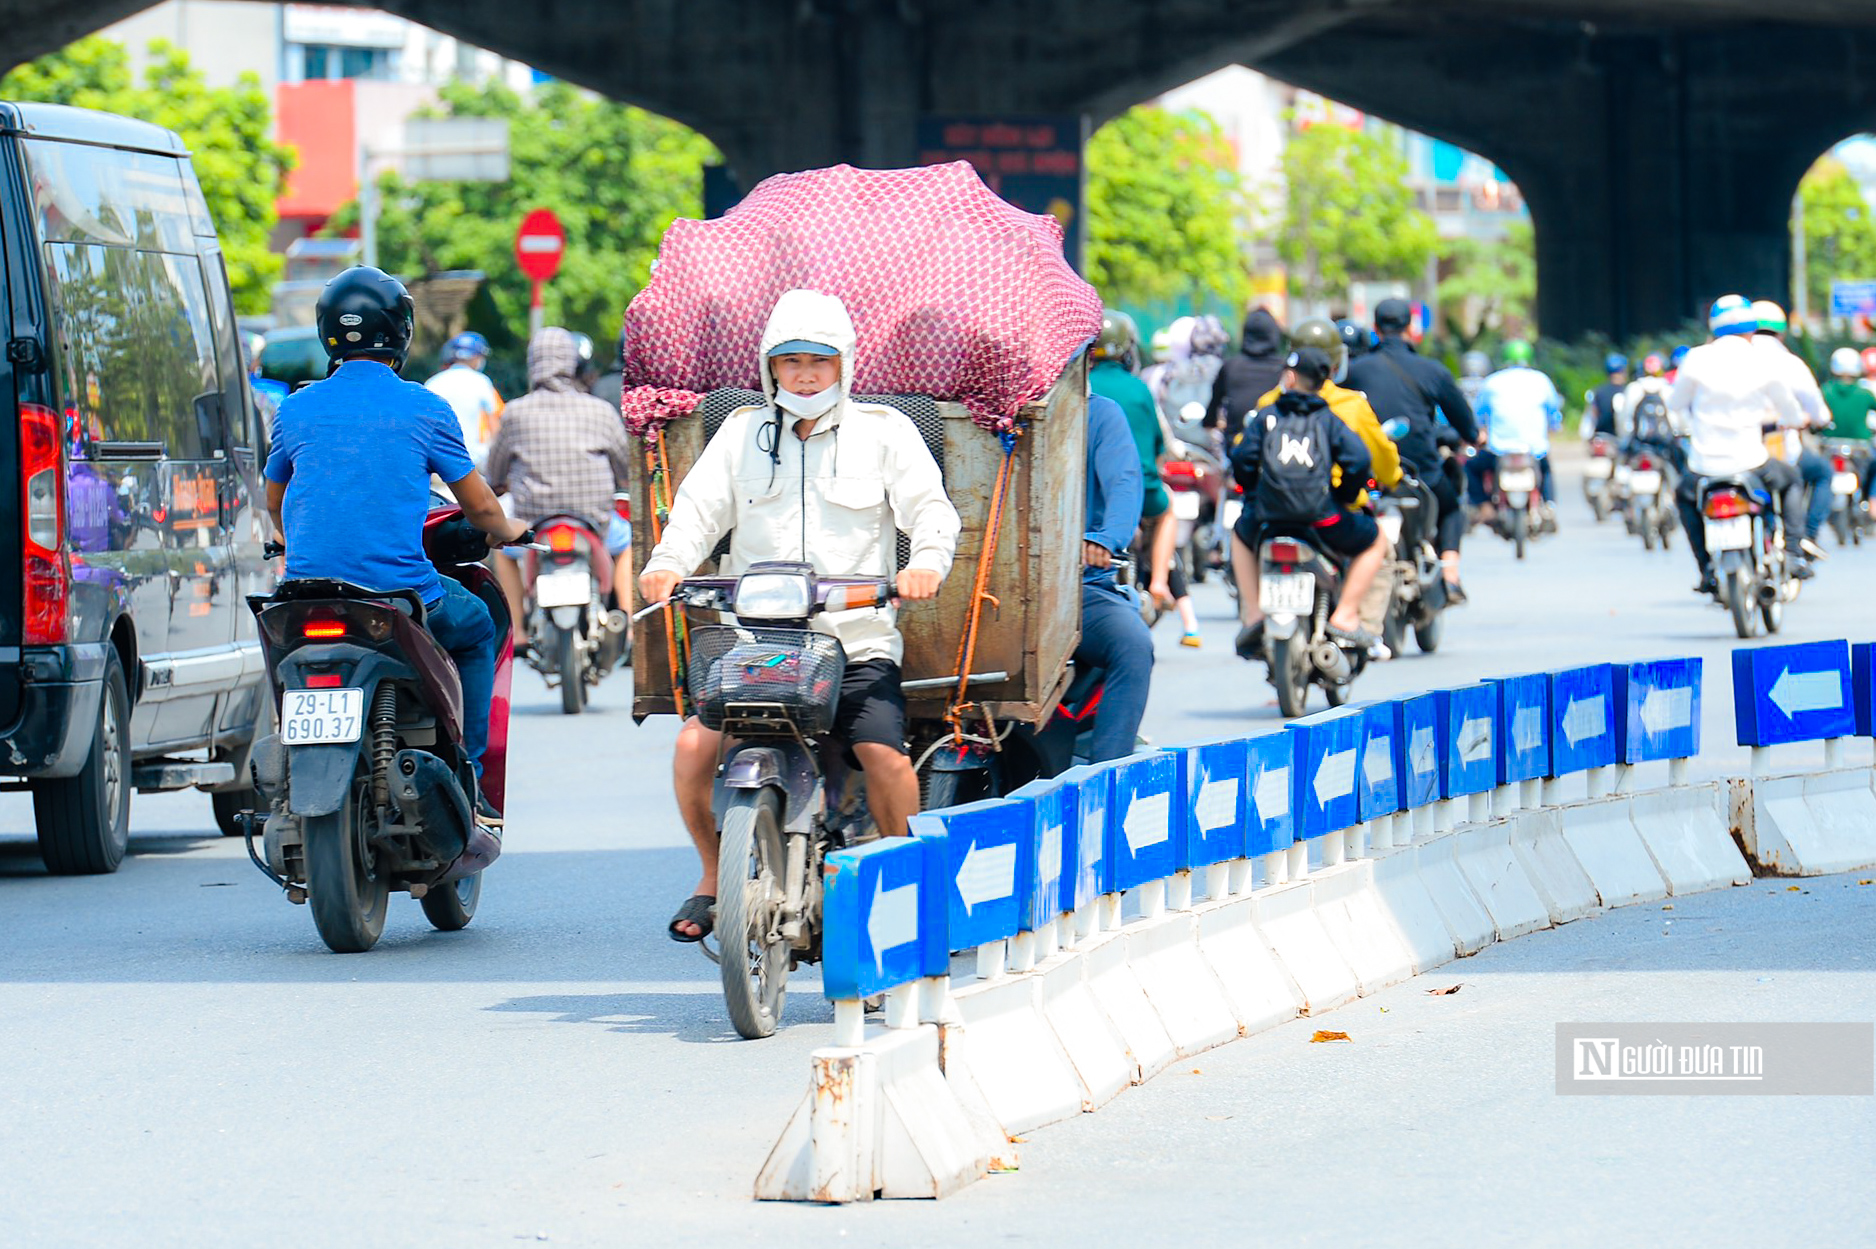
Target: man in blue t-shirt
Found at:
348, 480
1113, 636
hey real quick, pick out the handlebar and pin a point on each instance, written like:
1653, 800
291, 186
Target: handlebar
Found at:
830, 594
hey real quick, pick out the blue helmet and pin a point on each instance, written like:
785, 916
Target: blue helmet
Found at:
1615, 362
1732, 314
1677, 355
467, 346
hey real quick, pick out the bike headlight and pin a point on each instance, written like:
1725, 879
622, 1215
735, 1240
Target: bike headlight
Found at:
773, 596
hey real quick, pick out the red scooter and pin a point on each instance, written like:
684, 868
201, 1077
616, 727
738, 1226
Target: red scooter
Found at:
367, 786
576, 633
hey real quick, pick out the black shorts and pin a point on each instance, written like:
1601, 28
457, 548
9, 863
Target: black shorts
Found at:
872, 706
1349, 536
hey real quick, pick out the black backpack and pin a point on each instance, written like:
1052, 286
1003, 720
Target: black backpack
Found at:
1295, 479
1650, 417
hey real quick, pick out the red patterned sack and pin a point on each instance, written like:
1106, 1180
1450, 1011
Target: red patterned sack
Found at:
953, 292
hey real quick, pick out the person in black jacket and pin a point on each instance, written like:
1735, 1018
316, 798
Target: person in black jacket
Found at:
1287, 463
1401, 384
1248, 375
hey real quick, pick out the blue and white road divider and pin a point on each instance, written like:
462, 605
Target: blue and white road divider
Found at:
1088, 930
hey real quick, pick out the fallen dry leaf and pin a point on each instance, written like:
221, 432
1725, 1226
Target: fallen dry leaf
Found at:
1446, 992
1197, 1072
1866, 882
1667, 908
1792, 889
1329, 1036
1384, 1010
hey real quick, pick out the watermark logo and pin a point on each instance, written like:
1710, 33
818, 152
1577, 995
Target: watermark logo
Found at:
1725, 1058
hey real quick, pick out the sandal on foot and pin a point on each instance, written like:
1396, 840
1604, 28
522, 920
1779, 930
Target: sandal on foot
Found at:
698, 909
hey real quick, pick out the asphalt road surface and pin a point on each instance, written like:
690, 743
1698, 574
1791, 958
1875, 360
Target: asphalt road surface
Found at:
187, 1065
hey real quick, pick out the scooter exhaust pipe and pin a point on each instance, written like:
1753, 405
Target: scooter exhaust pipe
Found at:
617, 621
1329, 660
1767, 593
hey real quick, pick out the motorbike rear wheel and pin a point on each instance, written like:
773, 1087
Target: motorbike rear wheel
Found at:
1840, 525
1772, 614
1739, 600
1393, 629
1520, 530
750, 891
954, 789
1427, 635
569, 662
1289, 672
449, 908
346, 889
1648, 528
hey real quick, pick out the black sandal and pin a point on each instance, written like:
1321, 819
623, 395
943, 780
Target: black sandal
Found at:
697, 909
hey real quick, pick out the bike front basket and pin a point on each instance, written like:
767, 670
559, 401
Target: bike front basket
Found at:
753, 677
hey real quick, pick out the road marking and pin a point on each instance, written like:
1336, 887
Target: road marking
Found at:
893, 920
1795, 693
1662, 710
987, 874
1335, 776
1584, 719
1272, 794
1475, 740
1217, 804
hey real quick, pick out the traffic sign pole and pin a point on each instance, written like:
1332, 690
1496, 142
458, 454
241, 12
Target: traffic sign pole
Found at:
535, 301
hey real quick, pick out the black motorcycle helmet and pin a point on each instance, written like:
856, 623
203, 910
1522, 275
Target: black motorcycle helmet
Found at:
1355, 337
365, 311
1392, 316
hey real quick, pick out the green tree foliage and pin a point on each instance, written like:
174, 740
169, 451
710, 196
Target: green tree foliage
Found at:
615, 175
1349, 215
228, 129
1164, 198
1490, 285
1839, 231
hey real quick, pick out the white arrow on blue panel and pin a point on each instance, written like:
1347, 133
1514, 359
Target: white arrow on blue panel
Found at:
987, 874
1217, 803
1475, 740
1377, 761
1663, 710
893, 921
1272, 793
1583, 719
1049, 866
1420, 751
1335, 776
1795, 693
1527, 729
1148, 822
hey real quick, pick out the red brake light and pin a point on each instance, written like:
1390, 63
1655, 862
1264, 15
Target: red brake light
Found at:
560, 539
1285, 552
323, 629
1644, 465
323, 681
1181, 468
622, 506
1839, 464
46, 573
1725, 505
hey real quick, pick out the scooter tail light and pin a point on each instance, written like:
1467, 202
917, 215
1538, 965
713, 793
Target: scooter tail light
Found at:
622, 506
1839, 465
1644, 465
560, 540
322, 629
1726, 505
1185, 470
1285, 552
324, 681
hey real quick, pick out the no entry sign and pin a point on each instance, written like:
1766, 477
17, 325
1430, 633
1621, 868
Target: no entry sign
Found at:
539, 244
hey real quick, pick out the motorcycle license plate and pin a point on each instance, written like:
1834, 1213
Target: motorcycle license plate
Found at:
1293, 595
1599, 468
1233, 509
1844, 483
1731, 534
1185, 505
319, 717
564, 589
1622, 473
1390, 525
1648, 482
1518, 479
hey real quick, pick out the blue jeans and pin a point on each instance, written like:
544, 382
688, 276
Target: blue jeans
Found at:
461, 622
1815, 471
1115, 639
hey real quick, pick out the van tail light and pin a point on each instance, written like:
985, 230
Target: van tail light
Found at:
1284, 552
1726, 504
622, 506
559, 539
46, 573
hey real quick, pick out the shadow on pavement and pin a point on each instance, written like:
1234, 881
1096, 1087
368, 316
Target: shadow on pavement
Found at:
695, 1018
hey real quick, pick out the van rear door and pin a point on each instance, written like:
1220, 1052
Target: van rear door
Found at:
16, 329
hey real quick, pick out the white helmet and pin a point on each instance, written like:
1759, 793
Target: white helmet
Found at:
1844, 362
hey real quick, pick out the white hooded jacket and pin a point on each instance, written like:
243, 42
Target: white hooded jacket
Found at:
832, 499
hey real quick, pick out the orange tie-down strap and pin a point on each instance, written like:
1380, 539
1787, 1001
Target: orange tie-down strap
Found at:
960, 707
677, 654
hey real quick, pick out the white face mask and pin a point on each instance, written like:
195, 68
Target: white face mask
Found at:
808, 406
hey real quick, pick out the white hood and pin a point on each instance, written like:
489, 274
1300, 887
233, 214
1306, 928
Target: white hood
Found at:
813, 317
